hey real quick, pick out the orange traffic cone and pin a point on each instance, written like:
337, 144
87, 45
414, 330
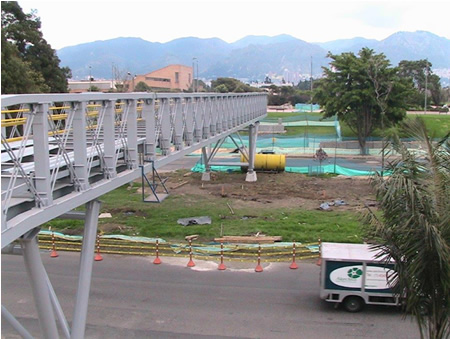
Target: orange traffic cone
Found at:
222, 266
258, 267
157, 261
98, 256
54, 254
319, 260
191, 262
293, 266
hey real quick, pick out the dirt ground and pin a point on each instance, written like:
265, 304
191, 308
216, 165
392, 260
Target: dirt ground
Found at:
277, 190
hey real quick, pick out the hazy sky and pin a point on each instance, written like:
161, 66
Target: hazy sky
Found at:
66, 23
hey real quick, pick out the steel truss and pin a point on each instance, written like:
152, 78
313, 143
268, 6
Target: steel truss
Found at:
60, 151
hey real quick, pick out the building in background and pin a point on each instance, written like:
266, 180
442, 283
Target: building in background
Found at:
94, 85
172, 77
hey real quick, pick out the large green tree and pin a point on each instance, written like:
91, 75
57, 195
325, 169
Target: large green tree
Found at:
414, 227
29, 64
421, 75
364, 91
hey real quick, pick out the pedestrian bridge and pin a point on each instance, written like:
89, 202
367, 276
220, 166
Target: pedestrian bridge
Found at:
61, 151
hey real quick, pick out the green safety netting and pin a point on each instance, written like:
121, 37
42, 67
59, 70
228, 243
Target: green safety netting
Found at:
282, 141
306, 107
292, 117
330, 169
111, 236
209, 248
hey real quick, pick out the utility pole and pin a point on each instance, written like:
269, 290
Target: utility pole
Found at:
196, 81
426, 88
311, 83
193, 74
90, 80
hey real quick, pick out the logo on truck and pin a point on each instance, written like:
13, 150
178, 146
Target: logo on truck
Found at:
354, 272
351, 277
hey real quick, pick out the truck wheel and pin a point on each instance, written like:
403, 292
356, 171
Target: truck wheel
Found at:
353, 304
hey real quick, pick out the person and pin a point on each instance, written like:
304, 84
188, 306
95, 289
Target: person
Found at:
321, 154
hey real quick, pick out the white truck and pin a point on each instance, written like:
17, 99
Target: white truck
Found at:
351, 275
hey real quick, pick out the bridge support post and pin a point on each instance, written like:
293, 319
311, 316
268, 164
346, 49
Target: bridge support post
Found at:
86, 262
36, 273
206, 176
41, 155
252, 134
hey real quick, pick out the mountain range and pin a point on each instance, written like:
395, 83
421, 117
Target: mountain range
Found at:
252, 57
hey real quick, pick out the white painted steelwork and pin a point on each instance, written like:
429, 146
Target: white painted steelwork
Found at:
68, 149
60, 151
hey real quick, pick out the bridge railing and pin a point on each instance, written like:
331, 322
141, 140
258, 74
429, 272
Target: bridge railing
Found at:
55, 147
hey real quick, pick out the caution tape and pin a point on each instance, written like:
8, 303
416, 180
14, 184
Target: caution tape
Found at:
232, 252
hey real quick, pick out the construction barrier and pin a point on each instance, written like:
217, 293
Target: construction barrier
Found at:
122, 245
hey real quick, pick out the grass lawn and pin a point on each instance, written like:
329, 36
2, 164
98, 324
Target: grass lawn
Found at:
131, 216
437, 124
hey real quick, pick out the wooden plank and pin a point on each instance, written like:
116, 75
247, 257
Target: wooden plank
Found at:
249, 239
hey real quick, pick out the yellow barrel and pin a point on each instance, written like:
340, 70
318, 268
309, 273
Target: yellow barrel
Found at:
268, 162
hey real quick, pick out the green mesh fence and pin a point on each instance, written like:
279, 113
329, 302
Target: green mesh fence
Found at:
311, 170
294, 117
306, 107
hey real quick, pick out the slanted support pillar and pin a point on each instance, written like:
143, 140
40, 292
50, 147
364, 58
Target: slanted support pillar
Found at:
86, 262
206, 176
252, 134
15, 324
36, 273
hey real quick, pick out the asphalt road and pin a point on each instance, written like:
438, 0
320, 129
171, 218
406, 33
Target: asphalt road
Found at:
132, 298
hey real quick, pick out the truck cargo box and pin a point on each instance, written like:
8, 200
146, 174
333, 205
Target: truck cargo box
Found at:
352, 275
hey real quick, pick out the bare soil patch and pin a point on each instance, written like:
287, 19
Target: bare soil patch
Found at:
279, 190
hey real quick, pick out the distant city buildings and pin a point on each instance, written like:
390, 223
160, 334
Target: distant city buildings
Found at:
172, 77
86, 85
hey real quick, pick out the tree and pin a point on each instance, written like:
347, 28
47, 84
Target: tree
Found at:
142, 87
18, 77
419, 72
348, 91
231, 85
222, 88
22, 40
414, 227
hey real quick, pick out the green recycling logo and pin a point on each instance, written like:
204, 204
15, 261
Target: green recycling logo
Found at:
354, 272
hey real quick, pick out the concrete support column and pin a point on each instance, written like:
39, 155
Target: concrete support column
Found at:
252, 135
206, 176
